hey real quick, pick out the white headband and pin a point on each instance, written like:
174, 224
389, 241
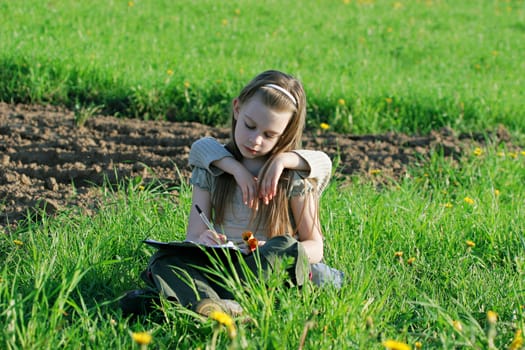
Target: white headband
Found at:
284, 91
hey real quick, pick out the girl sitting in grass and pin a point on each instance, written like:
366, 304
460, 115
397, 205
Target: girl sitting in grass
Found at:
262, 182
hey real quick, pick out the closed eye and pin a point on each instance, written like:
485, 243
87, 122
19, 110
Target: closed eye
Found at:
250, 127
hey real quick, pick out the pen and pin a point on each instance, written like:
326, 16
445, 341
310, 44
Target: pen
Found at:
204, 218
221, 238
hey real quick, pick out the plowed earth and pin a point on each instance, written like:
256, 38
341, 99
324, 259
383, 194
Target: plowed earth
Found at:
48, 162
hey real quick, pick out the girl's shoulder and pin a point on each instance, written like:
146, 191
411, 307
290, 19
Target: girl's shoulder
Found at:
320, 166
202, 178
205, 151
314, 157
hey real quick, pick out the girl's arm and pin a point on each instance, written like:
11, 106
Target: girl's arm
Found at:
209, 154
308, 163
306, 215
197, 231
244, 179
205, 151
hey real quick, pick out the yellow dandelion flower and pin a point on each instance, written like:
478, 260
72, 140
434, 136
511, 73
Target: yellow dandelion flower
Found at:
478, 152
169, 72
341, 102
517, 342
224, 22
187, 84
221, 317
495, 53
375, 171
477, 66
398, 254
411, 260
500, 154
513, 155
131, 4
395, 345
141, 338
389, 100
522, 153
448, 205
397, 5
346, 2
225, 320
18, 242
458, 326
497, 193
141, 188
418, 345
237, 12
470, 243
492, 317
390, 29
469, 200
324, 126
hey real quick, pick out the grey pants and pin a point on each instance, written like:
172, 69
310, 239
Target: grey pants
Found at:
180, 275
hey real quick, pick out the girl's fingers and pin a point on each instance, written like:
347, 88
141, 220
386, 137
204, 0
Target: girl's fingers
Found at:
245, 195
268, 190
249, 193
212, 238
216, 238
253, 191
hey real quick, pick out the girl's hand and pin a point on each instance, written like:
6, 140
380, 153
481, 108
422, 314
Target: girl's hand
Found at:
268, 184
248, 184
244, 179
211, 238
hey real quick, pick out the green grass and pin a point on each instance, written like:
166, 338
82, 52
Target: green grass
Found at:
397, 65
59, 288
367, 66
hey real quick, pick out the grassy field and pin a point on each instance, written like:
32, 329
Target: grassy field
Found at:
427, 259
367, 66
435, 260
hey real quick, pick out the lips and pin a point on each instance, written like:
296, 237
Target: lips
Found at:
250, 150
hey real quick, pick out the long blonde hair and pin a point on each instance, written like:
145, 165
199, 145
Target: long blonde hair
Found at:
277, 212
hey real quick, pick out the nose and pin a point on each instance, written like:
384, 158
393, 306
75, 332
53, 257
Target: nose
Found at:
257, 139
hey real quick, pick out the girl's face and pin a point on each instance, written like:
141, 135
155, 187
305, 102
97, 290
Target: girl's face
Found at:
259, 127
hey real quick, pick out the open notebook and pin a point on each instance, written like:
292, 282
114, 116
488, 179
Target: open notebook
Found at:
196, 252
188, 244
